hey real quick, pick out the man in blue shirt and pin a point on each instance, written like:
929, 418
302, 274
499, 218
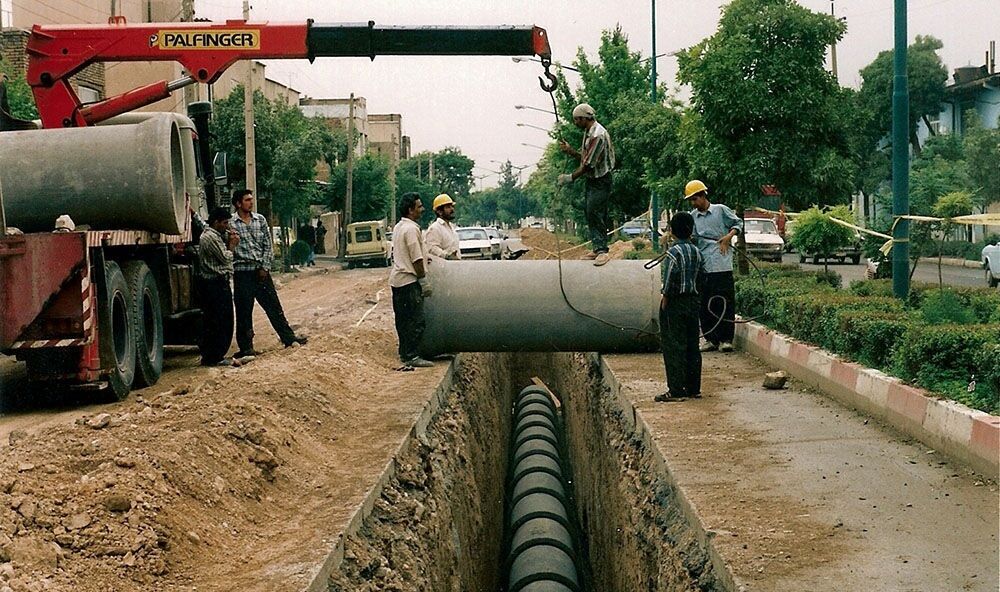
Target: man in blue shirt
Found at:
683, 273
715, 225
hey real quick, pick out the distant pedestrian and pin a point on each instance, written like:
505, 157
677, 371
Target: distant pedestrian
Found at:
320, 238
408, 281
715, 227
683, 273
215, 296
597, 160
252, 281
441, 238
307, 234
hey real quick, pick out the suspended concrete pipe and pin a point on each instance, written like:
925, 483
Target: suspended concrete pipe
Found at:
542, 552
520, 306
129, 177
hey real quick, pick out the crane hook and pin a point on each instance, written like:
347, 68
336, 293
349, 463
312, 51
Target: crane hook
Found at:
553, 81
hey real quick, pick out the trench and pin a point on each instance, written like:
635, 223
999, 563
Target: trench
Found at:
439, 523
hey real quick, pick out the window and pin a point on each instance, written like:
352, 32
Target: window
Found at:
363, 235
86, 94
7, 13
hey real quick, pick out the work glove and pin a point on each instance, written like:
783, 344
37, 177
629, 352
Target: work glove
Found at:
425, 287
564, 180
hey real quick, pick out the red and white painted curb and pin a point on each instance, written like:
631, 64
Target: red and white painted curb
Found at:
970, 436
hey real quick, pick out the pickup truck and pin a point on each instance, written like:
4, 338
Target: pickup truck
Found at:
991, 263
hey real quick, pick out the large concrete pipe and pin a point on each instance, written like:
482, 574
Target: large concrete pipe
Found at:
192, 185
519, 306
109, 177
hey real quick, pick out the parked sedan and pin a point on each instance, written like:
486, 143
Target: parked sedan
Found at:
496, 240
474, 243
636, 229
991, 263
762, 239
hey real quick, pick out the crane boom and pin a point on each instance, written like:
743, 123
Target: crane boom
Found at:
206, 50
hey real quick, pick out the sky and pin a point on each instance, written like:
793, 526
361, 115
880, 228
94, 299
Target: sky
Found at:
468, 101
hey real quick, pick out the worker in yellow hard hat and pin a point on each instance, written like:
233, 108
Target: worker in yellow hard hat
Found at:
440, 238
715, 226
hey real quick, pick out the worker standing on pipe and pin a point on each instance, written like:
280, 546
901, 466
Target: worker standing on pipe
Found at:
683, 275
252, 276
597, 159
215, 296
715, 227
408, 281
441, 238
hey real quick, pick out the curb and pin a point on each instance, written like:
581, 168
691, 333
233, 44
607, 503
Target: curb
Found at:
972, 437
953, 262
319, 579
634, 418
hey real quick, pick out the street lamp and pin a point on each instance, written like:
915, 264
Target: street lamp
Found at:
534, 126
533, 146
534, 109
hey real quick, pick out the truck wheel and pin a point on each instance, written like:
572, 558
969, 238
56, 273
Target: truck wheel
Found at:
117, 332
855, 259
991, 279
802, 258
148, 323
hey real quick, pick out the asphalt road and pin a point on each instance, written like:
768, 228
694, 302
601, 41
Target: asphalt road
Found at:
926, 272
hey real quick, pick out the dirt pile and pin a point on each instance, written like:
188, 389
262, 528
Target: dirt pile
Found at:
546, 245
217, 479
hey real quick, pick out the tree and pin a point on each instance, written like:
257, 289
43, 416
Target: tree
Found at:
452, 171
764, 109
22, 102
370, 198
948, 206
816, 234
982, 158
926, 75
644, 134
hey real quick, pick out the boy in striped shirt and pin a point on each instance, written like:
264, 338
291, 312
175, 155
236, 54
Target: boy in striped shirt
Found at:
683, 273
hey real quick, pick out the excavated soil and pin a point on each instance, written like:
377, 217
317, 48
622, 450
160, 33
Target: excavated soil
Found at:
214, 479
546, 245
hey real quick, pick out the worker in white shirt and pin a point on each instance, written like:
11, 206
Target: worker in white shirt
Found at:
440, 238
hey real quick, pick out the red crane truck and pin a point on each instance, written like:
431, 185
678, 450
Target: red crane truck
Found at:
93, 308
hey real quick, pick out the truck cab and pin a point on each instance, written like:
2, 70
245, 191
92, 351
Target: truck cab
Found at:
367, 244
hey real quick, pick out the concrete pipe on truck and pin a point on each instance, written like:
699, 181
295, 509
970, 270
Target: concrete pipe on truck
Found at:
117, 177
519, 306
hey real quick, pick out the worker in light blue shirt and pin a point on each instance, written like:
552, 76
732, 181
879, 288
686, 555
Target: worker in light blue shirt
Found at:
715, 227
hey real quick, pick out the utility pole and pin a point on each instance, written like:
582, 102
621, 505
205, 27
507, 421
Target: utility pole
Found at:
430, 174
654, 205
833, 48
348, 203
187, 15
900, 160
251, 150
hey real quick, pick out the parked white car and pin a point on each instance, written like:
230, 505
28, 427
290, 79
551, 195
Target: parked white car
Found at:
474, 243
762, 239
991, 263
496, 240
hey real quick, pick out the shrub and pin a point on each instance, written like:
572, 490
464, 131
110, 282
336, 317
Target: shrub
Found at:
942, 307
813, 317
299, 252
987, 393
870, 338
944, 358
640, 244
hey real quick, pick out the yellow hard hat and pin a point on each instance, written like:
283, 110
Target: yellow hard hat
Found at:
442, 200
694, 187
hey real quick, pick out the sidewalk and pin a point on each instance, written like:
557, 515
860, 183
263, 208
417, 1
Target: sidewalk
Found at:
803, 494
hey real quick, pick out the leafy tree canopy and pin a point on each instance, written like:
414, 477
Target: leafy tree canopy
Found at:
765, 110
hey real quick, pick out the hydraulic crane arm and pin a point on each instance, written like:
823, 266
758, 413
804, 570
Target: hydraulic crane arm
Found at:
205, 50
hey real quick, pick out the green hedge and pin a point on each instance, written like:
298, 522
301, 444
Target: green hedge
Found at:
944, 358
865, 323
984, 302
871, 338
